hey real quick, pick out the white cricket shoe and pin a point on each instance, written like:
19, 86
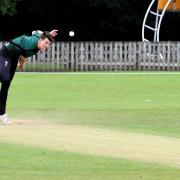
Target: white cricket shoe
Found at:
4, 119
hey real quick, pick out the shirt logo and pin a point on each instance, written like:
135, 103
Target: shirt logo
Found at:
5, 63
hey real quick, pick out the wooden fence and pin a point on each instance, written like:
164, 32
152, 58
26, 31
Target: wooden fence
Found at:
107, 56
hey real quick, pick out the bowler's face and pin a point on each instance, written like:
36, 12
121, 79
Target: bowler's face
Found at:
43, 44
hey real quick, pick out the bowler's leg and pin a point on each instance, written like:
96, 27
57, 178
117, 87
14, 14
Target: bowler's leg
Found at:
3, 96
5, 84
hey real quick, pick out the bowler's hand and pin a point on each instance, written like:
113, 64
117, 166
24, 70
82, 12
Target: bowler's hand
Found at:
54, 32
21, 62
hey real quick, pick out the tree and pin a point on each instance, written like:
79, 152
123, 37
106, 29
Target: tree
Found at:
8, 7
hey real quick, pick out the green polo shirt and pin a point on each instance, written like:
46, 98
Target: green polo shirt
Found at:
24, 45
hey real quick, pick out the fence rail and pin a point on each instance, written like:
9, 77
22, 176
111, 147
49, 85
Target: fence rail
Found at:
106, 56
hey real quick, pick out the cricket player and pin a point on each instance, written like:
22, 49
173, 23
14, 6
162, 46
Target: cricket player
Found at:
13, 54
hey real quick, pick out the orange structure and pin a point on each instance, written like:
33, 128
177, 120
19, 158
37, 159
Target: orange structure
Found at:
174, 5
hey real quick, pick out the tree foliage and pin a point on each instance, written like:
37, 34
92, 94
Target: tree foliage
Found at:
8, 7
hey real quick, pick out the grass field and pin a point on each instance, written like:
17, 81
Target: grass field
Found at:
92, 126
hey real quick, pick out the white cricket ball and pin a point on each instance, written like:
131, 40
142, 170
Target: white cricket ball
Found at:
71, 33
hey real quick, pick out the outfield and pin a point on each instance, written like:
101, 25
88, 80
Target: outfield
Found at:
92, 126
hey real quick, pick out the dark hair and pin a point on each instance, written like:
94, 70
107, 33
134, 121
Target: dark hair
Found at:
46, 34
